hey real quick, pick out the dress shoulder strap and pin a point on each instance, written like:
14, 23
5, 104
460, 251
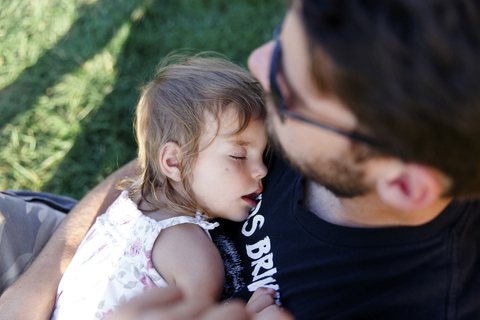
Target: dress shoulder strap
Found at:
198, 220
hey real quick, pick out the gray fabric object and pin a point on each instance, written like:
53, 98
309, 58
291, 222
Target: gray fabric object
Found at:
26, 224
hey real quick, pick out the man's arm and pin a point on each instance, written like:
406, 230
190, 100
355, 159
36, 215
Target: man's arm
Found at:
170, 303
33, 295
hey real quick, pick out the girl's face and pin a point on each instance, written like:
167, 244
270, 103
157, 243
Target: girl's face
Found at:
227, 176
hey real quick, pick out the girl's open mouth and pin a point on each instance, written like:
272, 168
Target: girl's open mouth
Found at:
251, 198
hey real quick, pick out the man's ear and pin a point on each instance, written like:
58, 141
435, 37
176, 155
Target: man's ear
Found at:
169, 157
412, 186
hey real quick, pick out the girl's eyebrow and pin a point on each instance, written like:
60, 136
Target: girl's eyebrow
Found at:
241, 143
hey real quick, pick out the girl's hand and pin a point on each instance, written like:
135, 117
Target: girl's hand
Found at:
260, 299
261, 306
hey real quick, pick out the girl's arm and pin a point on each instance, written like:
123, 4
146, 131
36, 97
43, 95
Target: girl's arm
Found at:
33, 295
185, 257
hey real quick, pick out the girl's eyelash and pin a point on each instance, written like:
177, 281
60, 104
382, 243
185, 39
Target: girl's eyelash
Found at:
238, 158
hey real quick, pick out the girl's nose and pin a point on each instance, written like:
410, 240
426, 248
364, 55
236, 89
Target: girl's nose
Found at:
260, 171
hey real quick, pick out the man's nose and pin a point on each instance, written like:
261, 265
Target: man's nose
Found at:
259, 63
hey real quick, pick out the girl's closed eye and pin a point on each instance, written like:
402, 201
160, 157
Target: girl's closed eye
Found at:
238, 157
238, 153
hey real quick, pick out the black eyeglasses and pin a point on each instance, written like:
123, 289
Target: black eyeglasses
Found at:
283, 110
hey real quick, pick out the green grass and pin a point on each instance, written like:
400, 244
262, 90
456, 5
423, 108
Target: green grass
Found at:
70, 72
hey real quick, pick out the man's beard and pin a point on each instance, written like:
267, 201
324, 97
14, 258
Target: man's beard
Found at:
341, 179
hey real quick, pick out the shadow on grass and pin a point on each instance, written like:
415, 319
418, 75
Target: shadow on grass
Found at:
106, 142
97, 24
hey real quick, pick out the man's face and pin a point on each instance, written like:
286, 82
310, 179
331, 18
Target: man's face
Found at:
322, 156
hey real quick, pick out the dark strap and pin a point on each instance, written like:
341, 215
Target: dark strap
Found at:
60, 203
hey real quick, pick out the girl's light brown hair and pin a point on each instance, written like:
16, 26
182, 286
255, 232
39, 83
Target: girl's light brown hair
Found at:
172, 108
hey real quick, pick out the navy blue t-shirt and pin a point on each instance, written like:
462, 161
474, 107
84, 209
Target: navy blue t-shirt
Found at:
326, 271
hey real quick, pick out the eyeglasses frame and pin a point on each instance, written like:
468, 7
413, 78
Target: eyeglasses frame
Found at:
282, 109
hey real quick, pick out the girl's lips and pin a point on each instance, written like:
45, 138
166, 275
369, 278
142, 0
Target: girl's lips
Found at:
251, 198
250, 202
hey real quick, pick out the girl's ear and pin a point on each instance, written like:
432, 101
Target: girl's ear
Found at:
413, 186
169, 157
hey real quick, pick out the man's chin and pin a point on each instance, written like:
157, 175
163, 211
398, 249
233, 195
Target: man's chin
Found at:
339, 179
340, 186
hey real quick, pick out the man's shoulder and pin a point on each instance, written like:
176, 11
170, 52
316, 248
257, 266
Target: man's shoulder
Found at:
464, 211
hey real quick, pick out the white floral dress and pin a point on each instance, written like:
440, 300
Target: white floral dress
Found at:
113, 263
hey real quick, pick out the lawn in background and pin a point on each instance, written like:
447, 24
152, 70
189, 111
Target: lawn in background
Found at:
70, 73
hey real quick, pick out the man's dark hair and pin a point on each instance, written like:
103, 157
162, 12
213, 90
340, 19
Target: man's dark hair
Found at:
410, 71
